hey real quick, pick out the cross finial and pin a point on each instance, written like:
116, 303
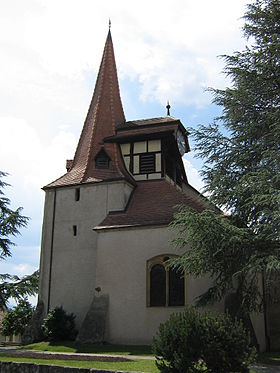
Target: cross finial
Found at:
109, 23
168, 108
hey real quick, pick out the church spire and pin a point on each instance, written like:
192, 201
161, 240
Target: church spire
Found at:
104, 115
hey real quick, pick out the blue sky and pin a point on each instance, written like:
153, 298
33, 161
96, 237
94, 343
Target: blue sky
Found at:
50, 55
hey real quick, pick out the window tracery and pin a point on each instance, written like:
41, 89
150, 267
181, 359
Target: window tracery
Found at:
165, 286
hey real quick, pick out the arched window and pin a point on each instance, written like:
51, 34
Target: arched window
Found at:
165, 286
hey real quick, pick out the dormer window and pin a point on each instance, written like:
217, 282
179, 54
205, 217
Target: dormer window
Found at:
102, 160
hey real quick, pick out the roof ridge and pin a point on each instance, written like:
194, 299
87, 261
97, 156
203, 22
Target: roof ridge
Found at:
153, 118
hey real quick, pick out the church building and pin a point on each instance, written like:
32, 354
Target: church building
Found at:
106, 235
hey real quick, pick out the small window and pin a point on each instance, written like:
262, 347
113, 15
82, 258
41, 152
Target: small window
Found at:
166, 287
74, 230
147, 163
102, 160
77, 194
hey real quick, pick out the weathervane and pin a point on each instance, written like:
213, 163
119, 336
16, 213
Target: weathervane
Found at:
109, 23
168, 108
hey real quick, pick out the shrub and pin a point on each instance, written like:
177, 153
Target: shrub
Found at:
195, 341
59, 326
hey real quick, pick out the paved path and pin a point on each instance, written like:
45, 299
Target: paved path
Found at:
103, 357
266, 368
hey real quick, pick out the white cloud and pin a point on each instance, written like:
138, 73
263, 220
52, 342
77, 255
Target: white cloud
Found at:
30, 159
193, 176
169, 48
24, 262
23, 269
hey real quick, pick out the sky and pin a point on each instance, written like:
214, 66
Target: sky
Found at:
50, 55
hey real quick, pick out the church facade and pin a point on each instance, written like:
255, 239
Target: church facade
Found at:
106, 234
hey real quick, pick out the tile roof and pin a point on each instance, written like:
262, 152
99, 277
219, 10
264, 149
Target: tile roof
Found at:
104, 115
138, 131
153, 202
145, 122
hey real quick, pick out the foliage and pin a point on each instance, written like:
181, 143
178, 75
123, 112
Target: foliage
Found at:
59, 326
193, 341
16, 319
241, 171
11, 286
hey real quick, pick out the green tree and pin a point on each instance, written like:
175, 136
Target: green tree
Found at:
11, 286
16, 319
241, 150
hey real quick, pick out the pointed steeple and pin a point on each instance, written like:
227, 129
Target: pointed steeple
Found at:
104, 114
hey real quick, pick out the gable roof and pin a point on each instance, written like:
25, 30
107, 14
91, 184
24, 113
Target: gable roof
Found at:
153, 202
104, 115
148, 128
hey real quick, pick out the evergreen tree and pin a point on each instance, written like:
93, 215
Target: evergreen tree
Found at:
16, 319
241, 150
11, 286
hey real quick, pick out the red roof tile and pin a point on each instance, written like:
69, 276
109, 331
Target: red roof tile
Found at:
104, 114
137, 131
153, 202
145, 122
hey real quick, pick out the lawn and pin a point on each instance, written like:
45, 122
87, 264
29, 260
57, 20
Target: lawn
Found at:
146, 366
135, 366
105, 348
141, 365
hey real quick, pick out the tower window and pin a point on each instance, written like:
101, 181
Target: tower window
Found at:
147, 163
74, 230
77, 194
102, 160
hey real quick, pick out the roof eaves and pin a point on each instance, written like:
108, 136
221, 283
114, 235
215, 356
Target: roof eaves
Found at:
148, 125
129, 180
130, 226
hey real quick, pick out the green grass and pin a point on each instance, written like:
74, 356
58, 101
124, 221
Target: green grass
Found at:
105, 348
272, 358
135, 366
146, 366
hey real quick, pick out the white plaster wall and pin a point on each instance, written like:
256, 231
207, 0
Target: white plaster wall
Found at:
121, 272
46, 246
74, 257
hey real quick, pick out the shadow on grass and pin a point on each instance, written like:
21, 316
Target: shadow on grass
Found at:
114, 349
105, 348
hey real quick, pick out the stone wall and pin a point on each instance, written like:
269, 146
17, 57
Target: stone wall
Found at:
10, 367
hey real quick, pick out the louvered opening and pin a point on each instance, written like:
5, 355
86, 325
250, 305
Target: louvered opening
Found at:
102, 161
147, 163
